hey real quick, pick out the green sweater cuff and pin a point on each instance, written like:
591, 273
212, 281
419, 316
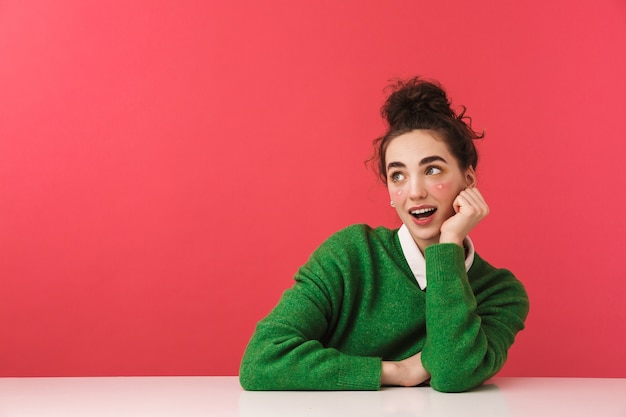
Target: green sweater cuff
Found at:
444, 261
359, 373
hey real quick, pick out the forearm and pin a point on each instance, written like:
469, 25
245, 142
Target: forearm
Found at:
468, 339
292, 363
286, 352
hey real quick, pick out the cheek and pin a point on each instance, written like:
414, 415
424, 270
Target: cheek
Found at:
445, 192
396, 194
441, 189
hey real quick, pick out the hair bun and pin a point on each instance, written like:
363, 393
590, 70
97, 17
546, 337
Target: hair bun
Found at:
415, 100
418, 104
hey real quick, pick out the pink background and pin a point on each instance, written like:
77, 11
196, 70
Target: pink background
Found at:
166, 166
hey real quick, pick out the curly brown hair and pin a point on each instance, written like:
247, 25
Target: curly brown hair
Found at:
420, 104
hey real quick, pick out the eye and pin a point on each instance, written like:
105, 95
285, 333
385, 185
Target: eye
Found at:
433, 170
396, 176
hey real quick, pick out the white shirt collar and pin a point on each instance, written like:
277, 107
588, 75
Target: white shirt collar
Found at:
416, 260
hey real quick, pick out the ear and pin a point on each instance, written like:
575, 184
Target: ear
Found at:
470, 177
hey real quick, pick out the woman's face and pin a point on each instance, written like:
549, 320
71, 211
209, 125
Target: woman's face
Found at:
424, 179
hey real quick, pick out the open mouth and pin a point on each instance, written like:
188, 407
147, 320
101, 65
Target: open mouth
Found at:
423, 213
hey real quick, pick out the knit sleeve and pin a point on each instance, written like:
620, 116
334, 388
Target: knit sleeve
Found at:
287, 352
469, 328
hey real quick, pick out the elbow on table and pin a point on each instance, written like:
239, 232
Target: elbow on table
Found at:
461, 373
249, 381
451, 380
260, 375
452, 385
250, 377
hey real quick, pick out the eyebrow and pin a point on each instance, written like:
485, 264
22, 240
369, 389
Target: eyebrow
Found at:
424, 161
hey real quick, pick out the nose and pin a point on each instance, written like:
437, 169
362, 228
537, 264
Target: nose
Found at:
417, 189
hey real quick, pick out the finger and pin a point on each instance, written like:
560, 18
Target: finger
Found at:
481, 201
477, 195
471, 205
470, 199
458, 202
476, 200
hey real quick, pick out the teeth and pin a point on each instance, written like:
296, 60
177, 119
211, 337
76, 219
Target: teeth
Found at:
422, 211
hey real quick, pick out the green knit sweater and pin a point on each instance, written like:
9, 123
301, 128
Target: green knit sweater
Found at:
356, 303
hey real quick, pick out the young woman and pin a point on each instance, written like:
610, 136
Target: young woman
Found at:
403, 307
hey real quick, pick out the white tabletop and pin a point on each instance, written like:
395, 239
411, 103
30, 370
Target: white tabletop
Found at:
223, 397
